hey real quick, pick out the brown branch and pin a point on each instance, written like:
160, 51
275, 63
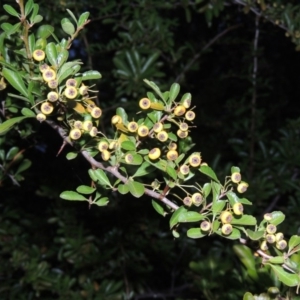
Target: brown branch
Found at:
209, 44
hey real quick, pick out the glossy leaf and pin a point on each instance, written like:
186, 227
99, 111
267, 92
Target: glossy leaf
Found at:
255, 235
37, 19
294, 242
9, 9
28, 112
244, 220
67, 26
44, 31
73, 196
83, 18
248, 296
136, 189
123, 189
120, 111
209, 172
277, 218
143, 170
88, 75
62, 57
174, 91
15, 79
85, 189
8, 124
195, 233
206, 189
172, 172
285, 277
158, 207
128, 145
92, 175
234, 235
12, 152
71, 155
51, 53
28, 7
190, 216
276, 260
175, 216
102, 202
102, 177
24, 165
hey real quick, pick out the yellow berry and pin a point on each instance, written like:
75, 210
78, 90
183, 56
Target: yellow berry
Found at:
145, 103
226, 217
179, 110
182, 134
96, 112
187, 201
71, 92
52, 84
113, 145
52, 96
78, 124
279, 236
197, 199
187, 103
49, 75
40, 117
105, 155
129, 158
281, 244
184, 169
94, 131
83, 90
2, 84
242, 187
38, 55
47, 108
143, 131
71, 82
116, 120
264, 246
190, 115
238, 208
173, 146
205, 226
183, 126
195, 160
236, 177
226, 229
75, 134
271, 228
270, 238
44, 67
154, 153
268, 216
172, 155
162, 136
157, 127
103, 145
132, 126
87, 125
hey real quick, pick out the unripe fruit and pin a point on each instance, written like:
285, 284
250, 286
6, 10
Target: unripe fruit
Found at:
184, 169
49, 75
145, 103
78, 124
75, 134
103, 145
47, 108
96, 112
187, 103
268, 217
87, 125
40, 117
238, 208
132, 126
113, 145
264, 246
173, 146
162, 136
226, 229
71, 92
105, 155
183, 126
116, 120
197, 199
83, 90
52, 96
71, 82
38, 55
2, 84
154, 153
242, 187
52, 84
143, 131
187, 201
44, 67
172, 155
190, 115
179, 110
182, 134
205, 226
195, 160
157, 127
94, 131
226, 217
279, 236
236, 177
129, 158
270, 238
271, 228
281, 244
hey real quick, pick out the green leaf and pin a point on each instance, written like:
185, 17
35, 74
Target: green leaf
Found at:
174, 91
71, 155
255, 235
234, 235
175, 216
35, 10
102, 177
232, 197
175, 233
24, 165
143, 170
85, 189
276, 260
136, 189
83, 18
128, 145
235, 170
190, 216
28, 7
72, 15
285, 277
294, 242
209, 172
11, 10
248, 296
62, 57
277, 218
12, 152
67, 26
88, 75
120, 111
37, 19
172, 172
51, 53
158, 207
123, 189
71, 195
218, 204
44, 31
244, 220
102, 202
195, 233
7, 125
206, 189
28, 112
15, 79
92, 175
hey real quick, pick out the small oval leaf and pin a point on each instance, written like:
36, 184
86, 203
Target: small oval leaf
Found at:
85, 189
73, 196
